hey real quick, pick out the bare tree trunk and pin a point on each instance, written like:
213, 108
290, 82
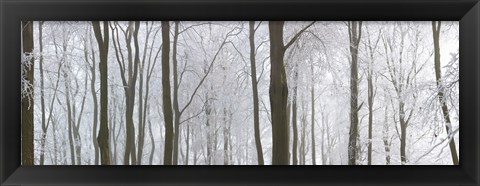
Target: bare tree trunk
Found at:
370, 117
322, 145
278, 95
371, 48
279, 92
131, 96
95, 102
226, 136
195, 151
42, 94
55, 143
152, 140
385, 138
69, 118
27, 102
208, 113
438, 75
256, 113
187, 141
167, 103
103, 135
371, 96
294, 118
113, 126
176, 108
355, 33
313, 116
403, 132
50, 115
76, 127
303, 142
141, 124
141, 102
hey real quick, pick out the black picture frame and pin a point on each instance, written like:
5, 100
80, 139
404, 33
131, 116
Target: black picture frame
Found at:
12, 12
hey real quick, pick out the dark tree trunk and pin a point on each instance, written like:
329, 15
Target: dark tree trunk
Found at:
256, 113
403, 132
278, 95
142, 103
167, 102
130, 98
278, 92
141, 124
355, 32
438, 75
70, 115
103, 134
27, 102
176, 108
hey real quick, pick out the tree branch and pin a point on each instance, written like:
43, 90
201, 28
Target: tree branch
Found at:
297, 36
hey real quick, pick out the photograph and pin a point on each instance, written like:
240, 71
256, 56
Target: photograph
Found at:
240, 93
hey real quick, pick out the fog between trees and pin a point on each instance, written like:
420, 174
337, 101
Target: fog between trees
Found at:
240, 93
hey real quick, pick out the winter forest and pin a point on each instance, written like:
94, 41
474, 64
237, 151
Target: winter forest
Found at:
240, 93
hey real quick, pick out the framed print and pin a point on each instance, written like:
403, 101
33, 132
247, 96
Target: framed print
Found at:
239, 92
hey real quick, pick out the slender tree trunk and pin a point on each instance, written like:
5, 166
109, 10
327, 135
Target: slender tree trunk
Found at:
256, 112
55, 143
313, 118
141, 126
42, 94
167, 103
303, 142
371, 94
187, 141
103, 135
95, 106
76, 127
322, 145
226, 135
294, 119
208, 113
141, 102
355, 32
385, 138
176, 108
370, 113
403, 132
27, 101
113, 121
130, 97
438, 75
50, 115
289, 115
69, 118
195, 151
152, 140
